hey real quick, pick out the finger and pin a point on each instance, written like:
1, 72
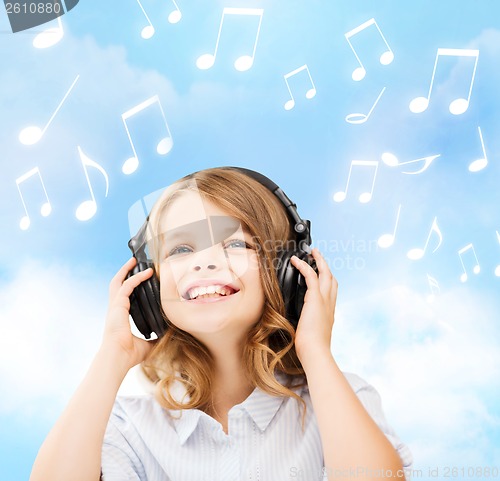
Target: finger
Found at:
120, 276
132, 282
122, 297
308, 272
327, 282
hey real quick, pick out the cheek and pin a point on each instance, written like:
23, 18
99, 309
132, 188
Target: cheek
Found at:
253, 278
170, 300
172, 272
244, 265
169, 280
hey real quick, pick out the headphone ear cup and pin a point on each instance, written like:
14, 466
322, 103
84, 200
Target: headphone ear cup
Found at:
138, 316
292, 283
145, 305
287, 279
156, 318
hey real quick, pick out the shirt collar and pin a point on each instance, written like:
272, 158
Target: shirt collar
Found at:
260, 406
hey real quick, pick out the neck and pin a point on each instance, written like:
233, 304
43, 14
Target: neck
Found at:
231, 385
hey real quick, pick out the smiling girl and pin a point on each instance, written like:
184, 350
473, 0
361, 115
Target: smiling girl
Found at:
243, 391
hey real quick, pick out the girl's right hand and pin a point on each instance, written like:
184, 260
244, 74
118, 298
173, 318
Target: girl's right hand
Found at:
117, 333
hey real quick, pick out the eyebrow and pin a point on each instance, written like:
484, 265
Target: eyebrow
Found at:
212, 230
185, 230
224, 226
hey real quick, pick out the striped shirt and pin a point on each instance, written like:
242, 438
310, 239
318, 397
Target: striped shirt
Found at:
265, 440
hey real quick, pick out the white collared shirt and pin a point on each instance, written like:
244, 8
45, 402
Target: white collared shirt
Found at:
265, 441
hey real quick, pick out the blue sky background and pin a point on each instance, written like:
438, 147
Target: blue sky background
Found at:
435, 362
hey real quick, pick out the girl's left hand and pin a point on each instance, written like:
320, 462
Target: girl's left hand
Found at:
314, 329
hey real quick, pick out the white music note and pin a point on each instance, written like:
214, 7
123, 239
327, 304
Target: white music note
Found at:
497, 269
31, 135
434, 287
365, 196
244, 62
148, 31
459, 105
175, 15
50, 36
481, 163
362, 118
164, 146
392, 161
418, 253
476, 269
46, 208
290, 104
87, 209
385, 59
386, 240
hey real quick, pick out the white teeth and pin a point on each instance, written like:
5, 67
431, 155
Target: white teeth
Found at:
209, 296
204, 290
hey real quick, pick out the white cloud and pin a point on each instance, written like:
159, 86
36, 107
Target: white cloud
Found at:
51, 327
51, 324
435, 365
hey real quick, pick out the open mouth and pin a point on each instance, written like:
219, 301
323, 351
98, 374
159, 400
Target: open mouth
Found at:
209, 292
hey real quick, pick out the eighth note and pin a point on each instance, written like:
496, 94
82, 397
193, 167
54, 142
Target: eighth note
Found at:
417, 253
31, 135
481, 163
50, 36
392, 161
175, 15
476, 269
385, 59
434, 287
86, 210
164, 146
148, 31
365, 196
459, 105
290, 104
386, 240
46, 208
244, 62
362, 118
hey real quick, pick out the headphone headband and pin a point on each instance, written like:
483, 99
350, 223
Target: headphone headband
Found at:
301, 227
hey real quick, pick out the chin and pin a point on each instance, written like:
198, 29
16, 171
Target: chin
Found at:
203, 324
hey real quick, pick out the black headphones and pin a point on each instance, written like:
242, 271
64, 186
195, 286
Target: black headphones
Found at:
145, 305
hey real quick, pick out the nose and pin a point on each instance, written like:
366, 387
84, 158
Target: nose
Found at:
209, 266
210, 259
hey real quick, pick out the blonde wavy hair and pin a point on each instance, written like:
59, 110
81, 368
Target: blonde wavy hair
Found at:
179, 356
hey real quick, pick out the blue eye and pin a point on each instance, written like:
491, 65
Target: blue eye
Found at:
230, 244
238, 243
181, 249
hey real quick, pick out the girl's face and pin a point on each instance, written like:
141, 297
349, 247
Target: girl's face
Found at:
209, 271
